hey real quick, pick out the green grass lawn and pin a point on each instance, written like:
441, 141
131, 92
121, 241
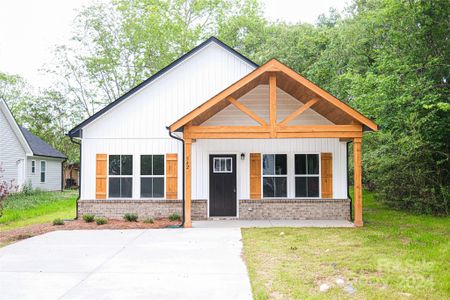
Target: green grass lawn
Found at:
395, 255
39, 207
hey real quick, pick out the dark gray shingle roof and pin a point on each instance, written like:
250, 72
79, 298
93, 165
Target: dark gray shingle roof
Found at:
39, 147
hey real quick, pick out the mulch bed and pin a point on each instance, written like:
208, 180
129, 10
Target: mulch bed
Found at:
13, 235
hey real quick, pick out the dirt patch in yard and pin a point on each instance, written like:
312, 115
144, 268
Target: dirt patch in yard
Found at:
10, 236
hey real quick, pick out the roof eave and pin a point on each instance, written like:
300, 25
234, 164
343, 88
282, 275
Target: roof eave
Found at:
73, 131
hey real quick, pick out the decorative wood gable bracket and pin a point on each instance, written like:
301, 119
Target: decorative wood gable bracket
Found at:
348, 122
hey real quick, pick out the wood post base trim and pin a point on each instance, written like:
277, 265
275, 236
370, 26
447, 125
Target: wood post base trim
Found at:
358, 223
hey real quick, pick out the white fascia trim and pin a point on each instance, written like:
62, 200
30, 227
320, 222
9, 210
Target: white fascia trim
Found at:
12, 122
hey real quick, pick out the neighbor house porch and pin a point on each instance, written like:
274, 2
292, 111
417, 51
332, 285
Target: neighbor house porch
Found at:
289, 166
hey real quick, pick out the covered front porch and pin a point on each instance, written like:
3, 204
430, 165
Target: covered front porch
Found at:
269, 168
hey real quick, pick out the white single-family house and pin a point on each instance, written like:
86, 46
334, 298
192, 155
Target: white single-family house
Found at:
25, 158
214, 135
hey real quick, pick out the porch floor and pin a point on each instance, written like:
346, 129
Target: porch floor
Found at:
270, 223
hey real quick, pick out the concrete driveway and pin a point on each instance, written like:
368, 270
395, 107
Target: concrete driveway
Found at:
203, 263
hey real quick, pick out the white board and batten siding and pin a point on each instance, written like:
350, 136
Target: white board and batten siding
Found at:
11, 151
180, 90
138, 125
201, 150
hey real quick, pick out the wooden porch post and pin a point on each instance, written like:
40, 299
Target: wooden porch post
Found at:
187, 175
273, 104
357, 174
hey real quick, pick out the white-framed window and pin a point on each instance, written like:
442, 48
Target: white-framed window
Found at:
120, 176
274, 181
152, 176
307, 175
33, 167
43, 170
223, 165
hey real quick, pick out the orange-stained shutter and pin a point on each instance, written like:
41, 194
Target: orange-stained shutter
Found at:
326, 160
255, 175
171, 175
100, 176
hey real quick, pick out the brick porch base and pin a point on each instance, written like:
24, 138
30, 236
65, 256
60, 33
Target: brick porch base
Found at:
265, 209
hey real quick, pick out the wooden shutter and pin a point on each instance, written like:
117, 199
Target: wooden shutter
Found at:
100, 176
326, 160
255, 175
171, 176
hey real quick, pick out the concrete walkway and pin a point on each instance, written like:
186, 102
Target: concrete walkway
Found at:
270, 223
130, 264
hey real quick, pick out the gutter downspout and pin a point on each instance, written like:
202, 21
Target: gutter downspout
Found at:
348, 186
182, 193
79, 177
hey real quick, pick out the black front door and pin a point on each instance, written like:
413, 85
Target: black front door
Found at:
222, 185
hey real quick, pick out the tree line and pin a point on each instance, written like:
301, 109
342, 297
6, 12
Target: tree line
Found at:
389, 59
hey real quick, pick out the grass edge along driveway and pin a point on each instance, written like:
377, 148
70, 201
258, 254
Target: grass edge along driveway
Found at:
36, 208
395, 255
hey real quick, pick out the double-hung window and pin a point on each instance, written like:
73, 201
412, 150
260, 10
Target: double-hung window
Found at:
152, 176
274, 175
120, 176
33, 167
43, 170
307, 175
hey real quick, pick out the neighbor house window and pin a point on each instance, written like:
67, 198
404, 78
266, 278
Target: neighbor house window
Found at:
274, 175
43, 170
152, 176
307, 175
33, 167
120, 176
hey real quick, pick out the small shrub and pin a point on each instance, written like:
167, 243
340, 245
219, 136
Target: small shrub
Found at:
58, 222
89, 218
149, 221
101, 221
130, 217
174, 217
27, 188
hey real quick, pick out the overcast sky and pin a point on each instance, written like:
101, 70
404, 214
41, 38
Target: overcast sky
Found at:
29, 29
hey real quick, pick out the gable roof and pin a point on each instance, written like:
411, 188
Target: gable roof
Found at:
39, 147
76, 131
15, 127
292, 83
31, 143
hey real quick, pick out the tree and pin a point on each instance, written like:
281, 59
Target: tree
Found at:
117, 45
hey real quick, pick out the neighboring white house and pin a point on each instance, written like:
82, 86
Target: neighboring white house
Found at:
25, 158
229, 118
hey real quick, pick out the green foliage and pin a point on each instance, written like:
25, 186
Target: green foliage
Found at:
149, 221
130, 217
58, 221
101, 220
396, 255
37, 208
89, 218
174, 217
27, 188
